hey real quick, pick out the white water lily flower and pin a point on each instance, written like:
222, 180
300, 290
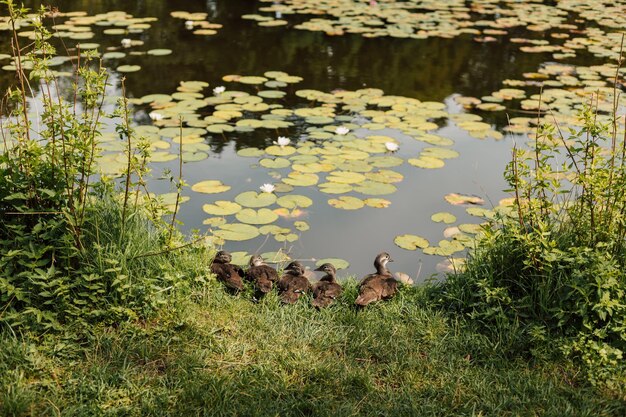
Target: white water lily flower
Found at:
392, 146
155, 116
282, 141
189, 24
267, 188
219, 90
342, 130
126, 43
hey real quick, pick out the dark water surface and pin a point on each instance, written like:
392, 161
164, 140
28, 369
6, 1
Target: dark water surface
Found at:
431, 69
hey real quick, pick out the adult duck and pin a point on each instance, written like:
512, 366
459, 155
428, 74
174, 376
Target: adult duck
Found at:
228, 274
380, 285
262, 275
327, 290
293, 283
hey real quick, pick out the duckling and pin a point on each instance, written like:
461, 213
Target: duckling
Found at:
293, 283
327, 289
226, 272
378, 286
262, 275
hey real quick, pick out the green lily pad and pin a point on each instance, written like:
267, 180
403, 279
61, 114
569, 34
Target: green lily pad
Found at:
272, 229
440, 153
276, 257
347, 203
250, 152
159, 52
214, 221
301, 226
443, 217
286, 237
471, 228
377, 202
344, 177
261, 216
128, 68
280, 150
237, 232
275, 163
251, 80
480, 212
410, 242
427, 162
334, 188
336, 262
375, 188
240, 258
210, 187
292, 201
221, 208
445, 248
385, 161
255, 200
385, 175
162, 156
300, 179
459, 199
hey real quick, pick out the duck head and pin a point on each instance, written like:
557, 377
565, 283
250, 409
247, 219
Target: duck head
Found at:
256, 260
295, 267
222, 257
380, 263
327, 268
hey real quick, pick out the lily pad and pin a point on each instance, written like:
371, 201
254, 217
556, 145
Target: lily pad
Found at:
237, 232
250, 152
334, 188
210, 187
443, 217
255, 200
336, 262
292, 201
280, 150
347, 203
221, 208
427, 162
410, 242
301, 226
300, 179
344, 177
377, 202
261, 216
459, 199
128, 68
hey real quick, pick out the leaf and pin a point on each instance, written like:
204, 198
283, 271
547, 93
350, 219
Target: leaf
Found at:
375, 188
255, 200
293, 201
410, 242
337, 263
221, 208
347, 203
210, 187
443, 217
301, 179
261, 216
460, 199
334, 188
237, 232
301, 226
344, 177
426, 162
377, 202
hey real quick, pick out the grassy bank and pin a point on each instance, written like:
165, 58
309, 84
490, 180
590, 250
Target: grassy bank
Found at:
224, 355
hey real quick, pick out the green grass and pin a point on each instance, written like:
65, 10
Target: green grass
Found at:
219, 355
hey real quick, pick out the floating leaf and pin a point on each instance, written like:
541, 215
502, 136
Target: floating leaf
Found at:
336, 262
334, 188
240, 258
377, 202
344, 177
410, 242
250, 152
221, 208
375, 188
459, 199
300, 179
128, 68
280, 150
275, 163
210, 187
261, 216
346, 203
237, 232
276, 257
255, 200
443, 217
427, 162
471, 228
292, 201
301, 226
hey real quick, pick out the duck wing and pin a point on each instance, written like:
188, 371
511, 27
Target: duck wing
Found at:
291, 287
370, 290
389, 288
229, 275
324, 293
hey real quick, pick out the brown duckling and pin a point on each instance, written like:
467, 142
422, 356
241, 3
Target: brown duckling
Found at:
230, 275
378, 286
327, 290
293, 283
262, 275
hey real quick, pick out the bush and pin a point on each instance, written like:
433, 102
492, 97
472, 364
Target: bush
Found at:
554, 268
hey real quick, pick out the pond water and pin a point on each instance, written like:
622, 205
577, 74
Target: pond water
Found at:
434, 69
